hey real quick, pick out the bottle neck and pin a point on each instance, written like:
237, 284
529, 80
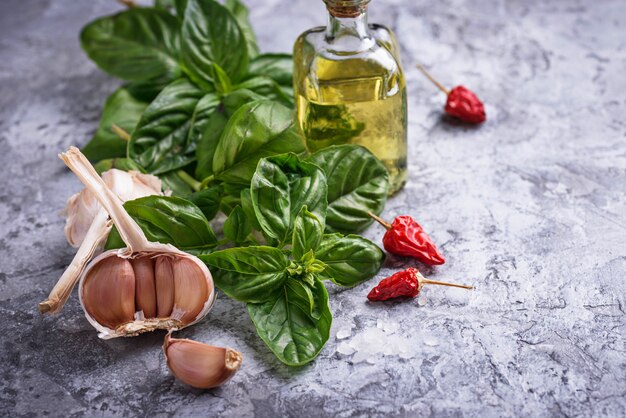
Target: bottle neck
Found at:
347, 21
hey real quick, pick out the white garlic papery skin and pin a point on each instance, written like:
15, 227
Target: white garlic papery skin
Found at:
200, 365
87, 227
82, 207
109, 284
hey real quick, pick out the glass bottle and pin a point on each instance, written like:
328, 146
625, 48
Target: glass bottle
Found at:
350, 88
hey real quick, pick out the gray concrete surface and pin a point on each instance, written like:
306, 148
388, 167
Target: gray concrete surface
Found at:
530, 208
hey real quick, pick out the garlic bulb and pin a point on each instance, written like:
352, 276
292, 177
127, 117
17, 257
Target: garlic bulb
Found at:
87, 227
120, 290
82, 207
200, 365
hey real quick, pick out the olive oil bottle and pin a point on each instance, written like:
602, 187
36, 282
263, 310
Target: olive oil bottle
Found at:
350, 88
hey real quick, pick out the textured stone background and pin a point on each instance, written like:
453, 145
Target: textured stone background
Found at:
530, 208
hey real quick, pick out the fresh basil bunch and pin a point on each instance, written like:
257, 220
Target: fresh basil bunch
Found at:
283, 284
186, 74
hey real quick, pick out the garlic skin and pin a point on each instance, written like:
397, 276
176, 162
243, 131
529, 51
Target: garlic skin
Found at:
116, 294
87, 227
200, 365
80, 210
82, 207
93, 243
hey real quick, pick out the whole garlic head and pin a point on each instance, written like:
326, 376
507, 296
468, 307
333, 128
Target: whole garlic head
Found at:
145, 286
82, 207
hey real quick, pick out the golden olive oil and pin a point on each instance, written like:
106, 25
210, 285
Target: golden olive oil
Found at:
350, 89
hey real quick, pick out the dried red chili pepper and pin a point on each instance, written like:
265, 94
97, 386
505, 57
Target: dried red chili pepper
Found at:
407, 238
462, 103
407, 282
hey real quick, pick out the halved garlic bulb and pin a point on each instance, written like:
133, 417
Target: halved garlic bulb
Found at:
200, 365
116, 288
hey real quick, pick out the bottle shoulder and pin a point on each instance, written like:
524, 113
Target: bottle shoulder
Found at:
379, 49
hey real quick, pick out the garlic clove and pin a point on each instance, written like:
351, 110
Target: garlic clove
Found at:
190, 290
80, 210
200, 365
145, 287
164, 279
108, 292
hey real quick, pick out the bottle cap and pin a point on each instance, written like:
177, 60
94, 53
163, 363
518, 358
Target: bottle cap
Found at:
346, 8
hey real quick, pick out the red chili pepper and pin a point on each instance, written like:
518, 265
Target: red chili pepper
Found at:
407, 282
462, 103
407, 238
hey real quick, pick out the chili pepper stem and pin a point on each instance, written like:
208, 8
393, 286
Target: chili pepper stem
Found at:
431, 78
381, 221
462, 286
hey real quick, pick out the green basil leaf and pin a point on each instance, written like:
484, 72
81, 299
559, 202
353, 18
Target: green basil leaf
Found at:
248, 209
278, 67
138, 44
173, 183
166, 136
233, 101
229, 203
166, 5
308, 230
222, 81
267, 88
211, 35
198, 251
169, 220
349, 260
281, 185
248, 274
205, 150
240, 11
237, 227
180, 6
207, 200
357, 184
146, 91
289, 329
119, 163
258, 129
305, 300
123, 110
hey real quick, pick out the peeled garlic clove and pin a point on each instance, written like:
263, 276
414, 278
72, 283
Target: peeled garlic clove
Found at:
164, 278
108, 292
200, 365
190, 290
145, 291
